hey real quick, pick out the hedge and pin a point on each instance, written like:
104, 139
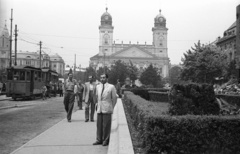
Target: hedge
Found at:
193, 99
158, 96
188, 134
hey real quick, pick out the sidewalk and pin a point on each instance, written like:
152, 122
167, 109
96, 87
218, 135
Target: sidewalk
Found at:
76, 137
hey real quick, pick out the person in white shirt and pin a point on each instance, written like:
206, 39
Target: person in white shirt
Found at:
89, 97
69, 95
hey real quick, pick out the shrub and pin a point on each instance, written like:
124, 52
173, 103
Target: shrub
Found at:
193, 99
186, 134
158, 96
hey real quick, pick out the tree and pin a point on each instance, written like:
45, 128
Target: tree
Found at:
119, 70
174, 77
89, 71
132, 71
203, 63
151, 77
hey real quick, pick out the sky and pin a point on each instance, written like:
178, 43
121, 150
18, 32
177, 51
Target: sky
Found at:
70, 27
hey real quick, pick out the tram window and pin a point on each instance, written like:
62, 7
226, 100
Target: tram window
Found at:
28, 76
9, 75
39, 76
35, 76
22, 75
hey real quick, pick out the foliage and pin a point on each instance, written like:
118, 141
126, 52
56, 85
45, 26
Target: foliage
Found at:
182, 134
203, 63
89, 71
174, 75
118, 71
158, 96
193, 99
151, 77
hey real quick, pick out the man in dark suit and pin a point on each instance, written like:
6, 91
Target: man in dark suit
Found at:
106, 100
89, 97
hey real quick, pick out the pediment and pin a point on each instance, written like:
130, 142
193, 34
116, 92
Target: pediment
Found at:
133, 52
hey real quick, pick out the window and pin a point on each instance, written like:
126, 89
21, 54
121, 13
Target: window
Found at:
39, 76
28, 76
54, 66
22, 75
106, 39
35, 76
28, 62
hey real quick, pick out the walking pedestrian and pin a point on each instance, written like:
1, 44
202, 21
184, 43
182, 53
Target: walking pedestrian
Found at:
61, 85
89, 97
106, 100
69, 95
79, 88
44, 91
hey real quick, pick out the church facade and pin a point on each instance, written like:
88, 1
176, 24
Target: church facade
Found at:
141, 55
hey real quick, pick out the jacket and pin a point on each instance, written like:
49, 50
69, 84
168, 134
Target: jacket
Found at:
86, 92
107, 99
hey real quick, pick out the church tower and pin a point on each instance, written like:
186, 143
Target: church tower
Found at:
160, 35
106, 34
4, 39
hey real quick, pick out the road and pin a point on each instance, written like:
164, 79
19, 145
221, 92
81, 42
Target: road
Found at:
31, 118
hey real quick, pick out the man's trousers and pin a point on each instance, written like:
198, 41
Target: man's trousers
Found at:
69, 103
103, 127
90, 104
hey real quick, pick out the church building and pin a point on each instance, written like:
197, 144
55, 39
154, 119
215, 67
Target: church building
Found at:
141, 55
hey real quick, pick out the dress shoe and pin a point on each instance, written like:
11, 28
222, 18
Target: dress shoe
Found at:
92, 120
105, 144
69, 120
86, 120
97, 143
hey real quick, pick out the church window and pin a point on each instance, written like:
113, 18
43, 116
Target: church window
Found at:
106, 38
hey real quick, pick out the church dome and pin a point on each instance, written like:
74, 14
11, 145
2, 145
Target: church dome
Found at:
106, 18
159, 20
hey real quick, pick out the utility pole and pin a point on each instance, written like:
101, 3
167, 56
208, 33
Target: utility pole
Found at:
16, 44
10, 63
74, 69
40, 54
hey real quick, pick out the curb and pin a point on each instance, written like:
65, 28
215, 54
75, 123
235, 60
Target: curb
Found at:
15, 106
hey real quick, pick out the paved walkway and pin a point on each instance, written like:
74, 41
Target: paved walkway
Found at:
66, 138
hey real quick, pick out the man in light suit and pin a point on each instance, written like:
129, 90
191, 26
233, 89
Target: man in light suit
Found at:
89, 97
106, 100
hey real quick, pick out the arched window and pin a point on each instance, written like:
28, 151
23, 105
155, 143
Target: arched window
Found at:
106, 39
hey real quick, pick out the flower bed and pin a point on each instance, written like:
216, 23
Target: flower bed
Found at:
160, 132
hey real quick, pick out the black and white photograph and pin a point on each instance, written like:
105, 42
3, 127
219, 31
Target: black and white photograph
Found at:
119, 77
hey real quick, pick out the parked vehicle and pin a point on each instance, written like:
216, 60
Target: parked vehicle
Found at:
27, 82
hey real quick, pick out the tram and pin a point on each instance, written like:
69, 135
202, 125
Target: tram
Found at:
27, 81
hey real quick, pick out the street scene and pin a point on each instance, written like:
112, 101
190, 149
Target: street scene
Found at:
119, 77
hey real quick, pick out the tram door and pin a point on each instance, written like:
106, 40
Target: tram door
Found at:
32, 81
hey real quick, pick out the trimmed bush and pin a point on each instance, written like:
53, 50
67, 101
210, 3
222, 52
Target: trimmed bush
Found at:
193, 99
188, 134
158, 96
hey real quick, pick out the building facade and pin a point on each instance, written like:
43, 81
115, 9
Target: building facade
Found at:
227, 43
141, 55
54, 62
4, 48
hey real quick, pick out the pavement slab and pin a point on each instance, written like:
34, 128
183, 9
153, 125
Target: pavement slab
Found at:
76, 137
